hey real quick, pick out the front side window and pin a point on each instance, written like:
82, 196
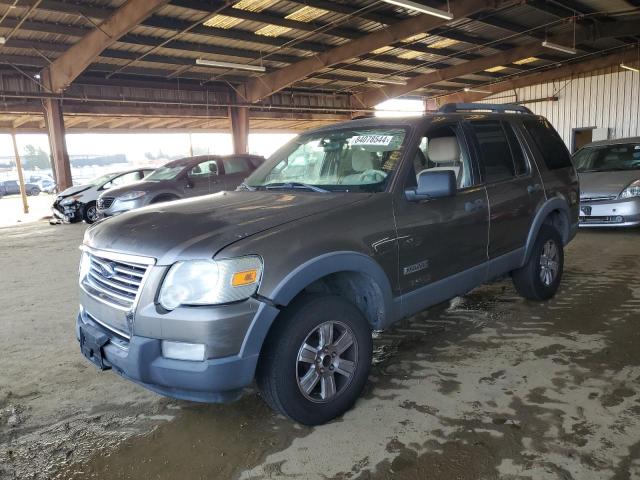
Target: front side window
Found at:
352, 160
442, 149
495, 152
608, 158
235, 165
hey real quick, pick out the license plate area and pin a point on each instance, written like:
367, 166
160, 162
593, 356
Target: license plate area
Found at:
92, 341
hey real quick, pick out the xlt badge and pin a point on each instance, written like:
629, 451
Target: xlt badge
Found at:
416, 267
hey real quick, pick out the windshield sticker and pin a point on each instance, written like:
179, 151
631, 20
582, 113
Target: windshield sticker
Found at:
378, 140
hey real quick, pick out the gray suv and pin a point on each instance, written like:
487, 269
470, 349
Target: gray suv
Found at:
345, 230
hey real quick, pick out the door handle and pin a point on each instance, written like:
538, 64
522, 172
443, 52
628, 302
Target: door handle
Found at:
536, 187
473, 206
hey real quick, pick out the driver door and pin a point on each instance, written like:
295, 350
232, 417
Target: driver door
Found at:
442, 241
202, 178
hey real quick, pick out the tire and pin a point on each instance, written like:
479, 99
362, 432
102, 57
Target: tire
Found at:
535, 281
90, 213
285, 367
34, 192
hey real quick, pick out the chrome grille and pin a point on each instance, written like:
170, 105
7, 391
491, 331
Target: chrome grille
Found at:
105, 202
114, 279
600, 198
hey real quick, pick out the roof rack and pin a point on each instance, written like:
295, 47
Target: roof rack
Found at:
492, 107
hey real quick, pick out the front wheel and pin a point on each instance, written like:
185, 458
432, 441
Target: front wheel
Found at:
90, 213
316, 359
540, 277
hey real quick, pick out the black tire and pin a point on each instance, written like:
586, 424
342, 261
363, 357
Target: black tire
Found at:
34, 191
90, 213
528, 280
280, 369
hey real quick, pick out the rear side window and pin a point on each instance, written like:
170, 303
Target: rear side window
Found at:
495, 152
235, 165
550, 145
519, 162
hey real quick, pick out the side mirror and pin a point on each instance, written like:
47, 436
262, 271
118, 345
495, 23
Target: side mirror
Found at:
436, 184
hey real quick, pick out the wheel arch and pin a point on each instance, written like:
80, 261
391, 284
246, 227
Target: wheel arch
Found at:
554, 212
352, 275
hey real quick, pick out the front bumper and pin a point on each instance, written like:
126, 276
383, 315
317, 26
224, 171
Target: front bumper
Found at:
67, 213
238, 328
610, 213
116, 206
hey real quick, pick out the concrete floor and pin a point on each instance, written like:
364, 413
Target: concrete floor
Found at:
490, 386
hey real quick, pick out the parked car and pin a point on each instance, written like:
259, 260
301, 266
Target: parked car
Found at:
78, 203
609, 173
345, 230
44, 182
12, 187
184, 178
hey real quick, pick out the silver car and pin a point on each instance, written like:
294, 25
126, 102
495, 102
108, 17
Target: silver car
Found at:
609, 183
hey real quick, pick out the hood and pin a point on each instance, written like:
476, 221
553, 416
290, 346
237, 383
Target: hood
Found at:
201, 226
74, 190
141, 185
606, 184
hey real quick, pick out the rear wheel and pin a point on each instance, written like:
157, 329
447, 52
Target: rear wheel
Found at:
90, 213
316, 359
540, 277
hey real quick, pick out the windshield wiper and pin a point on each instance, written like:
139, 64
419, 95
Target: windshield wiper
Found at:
245, 186
294, 185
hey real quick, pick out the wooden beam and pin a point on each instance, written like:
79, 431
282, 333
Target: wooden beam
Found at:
611, 59
55, 128
265, 85
372, 96
240, 129
74, 61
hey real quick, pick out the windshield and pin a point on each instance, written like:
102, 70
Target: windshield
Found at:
101, 180
608, 158
165, 173
353, 160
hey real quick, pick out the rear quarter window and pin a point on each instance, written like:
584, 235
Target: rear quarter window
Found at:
553, 150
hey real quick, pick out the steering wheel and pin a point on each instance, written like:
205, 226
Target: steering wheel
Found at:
372, 176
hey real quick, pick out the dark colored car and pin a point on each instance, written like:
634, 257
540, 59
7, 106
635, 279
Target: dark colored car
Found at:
609, 173
184, 178
12, 187
345, 230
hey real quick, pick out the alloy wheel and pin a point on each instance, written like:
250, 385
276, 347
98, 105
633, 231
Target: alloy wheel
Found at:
549, 263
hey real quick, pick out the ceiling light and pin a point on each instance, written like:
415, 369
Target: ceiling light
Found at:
386, 81
629, 67
306, 14
253, 5
560, 48
3, 40
409, 5
37, 76
524, 61
414, 38
236, 66
272, 31
380, 50
222, 21
447, 42
475, 90
410, 54
495, 69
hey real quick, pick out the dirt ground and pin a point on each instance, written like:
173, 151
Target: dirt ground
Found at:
487, 387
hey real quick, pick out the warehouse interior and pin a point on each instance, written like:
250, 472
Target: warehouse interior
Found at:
485, 386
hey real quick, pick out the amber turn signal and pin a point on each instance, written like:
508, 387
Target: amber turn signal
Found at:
240, 279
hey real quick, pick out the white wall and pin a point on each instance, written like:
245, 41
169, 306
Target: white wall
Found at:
608, 98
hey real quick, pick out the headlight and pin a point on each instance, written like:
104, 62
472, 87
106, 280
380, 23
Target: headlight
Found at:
632, 190
210, 282
70, 200
85, 265
132, 195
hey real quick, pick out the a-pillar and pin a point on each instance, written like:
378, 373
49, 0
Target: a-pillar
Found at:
240, 129
55, 128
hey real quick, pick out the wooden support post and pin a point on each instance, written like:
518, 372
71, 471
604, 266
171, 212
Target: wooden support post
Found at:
54, 122
240, 129
23, 191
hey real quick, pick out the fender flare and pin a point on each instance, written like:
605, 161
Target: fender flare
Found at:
552, 204
302, 276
